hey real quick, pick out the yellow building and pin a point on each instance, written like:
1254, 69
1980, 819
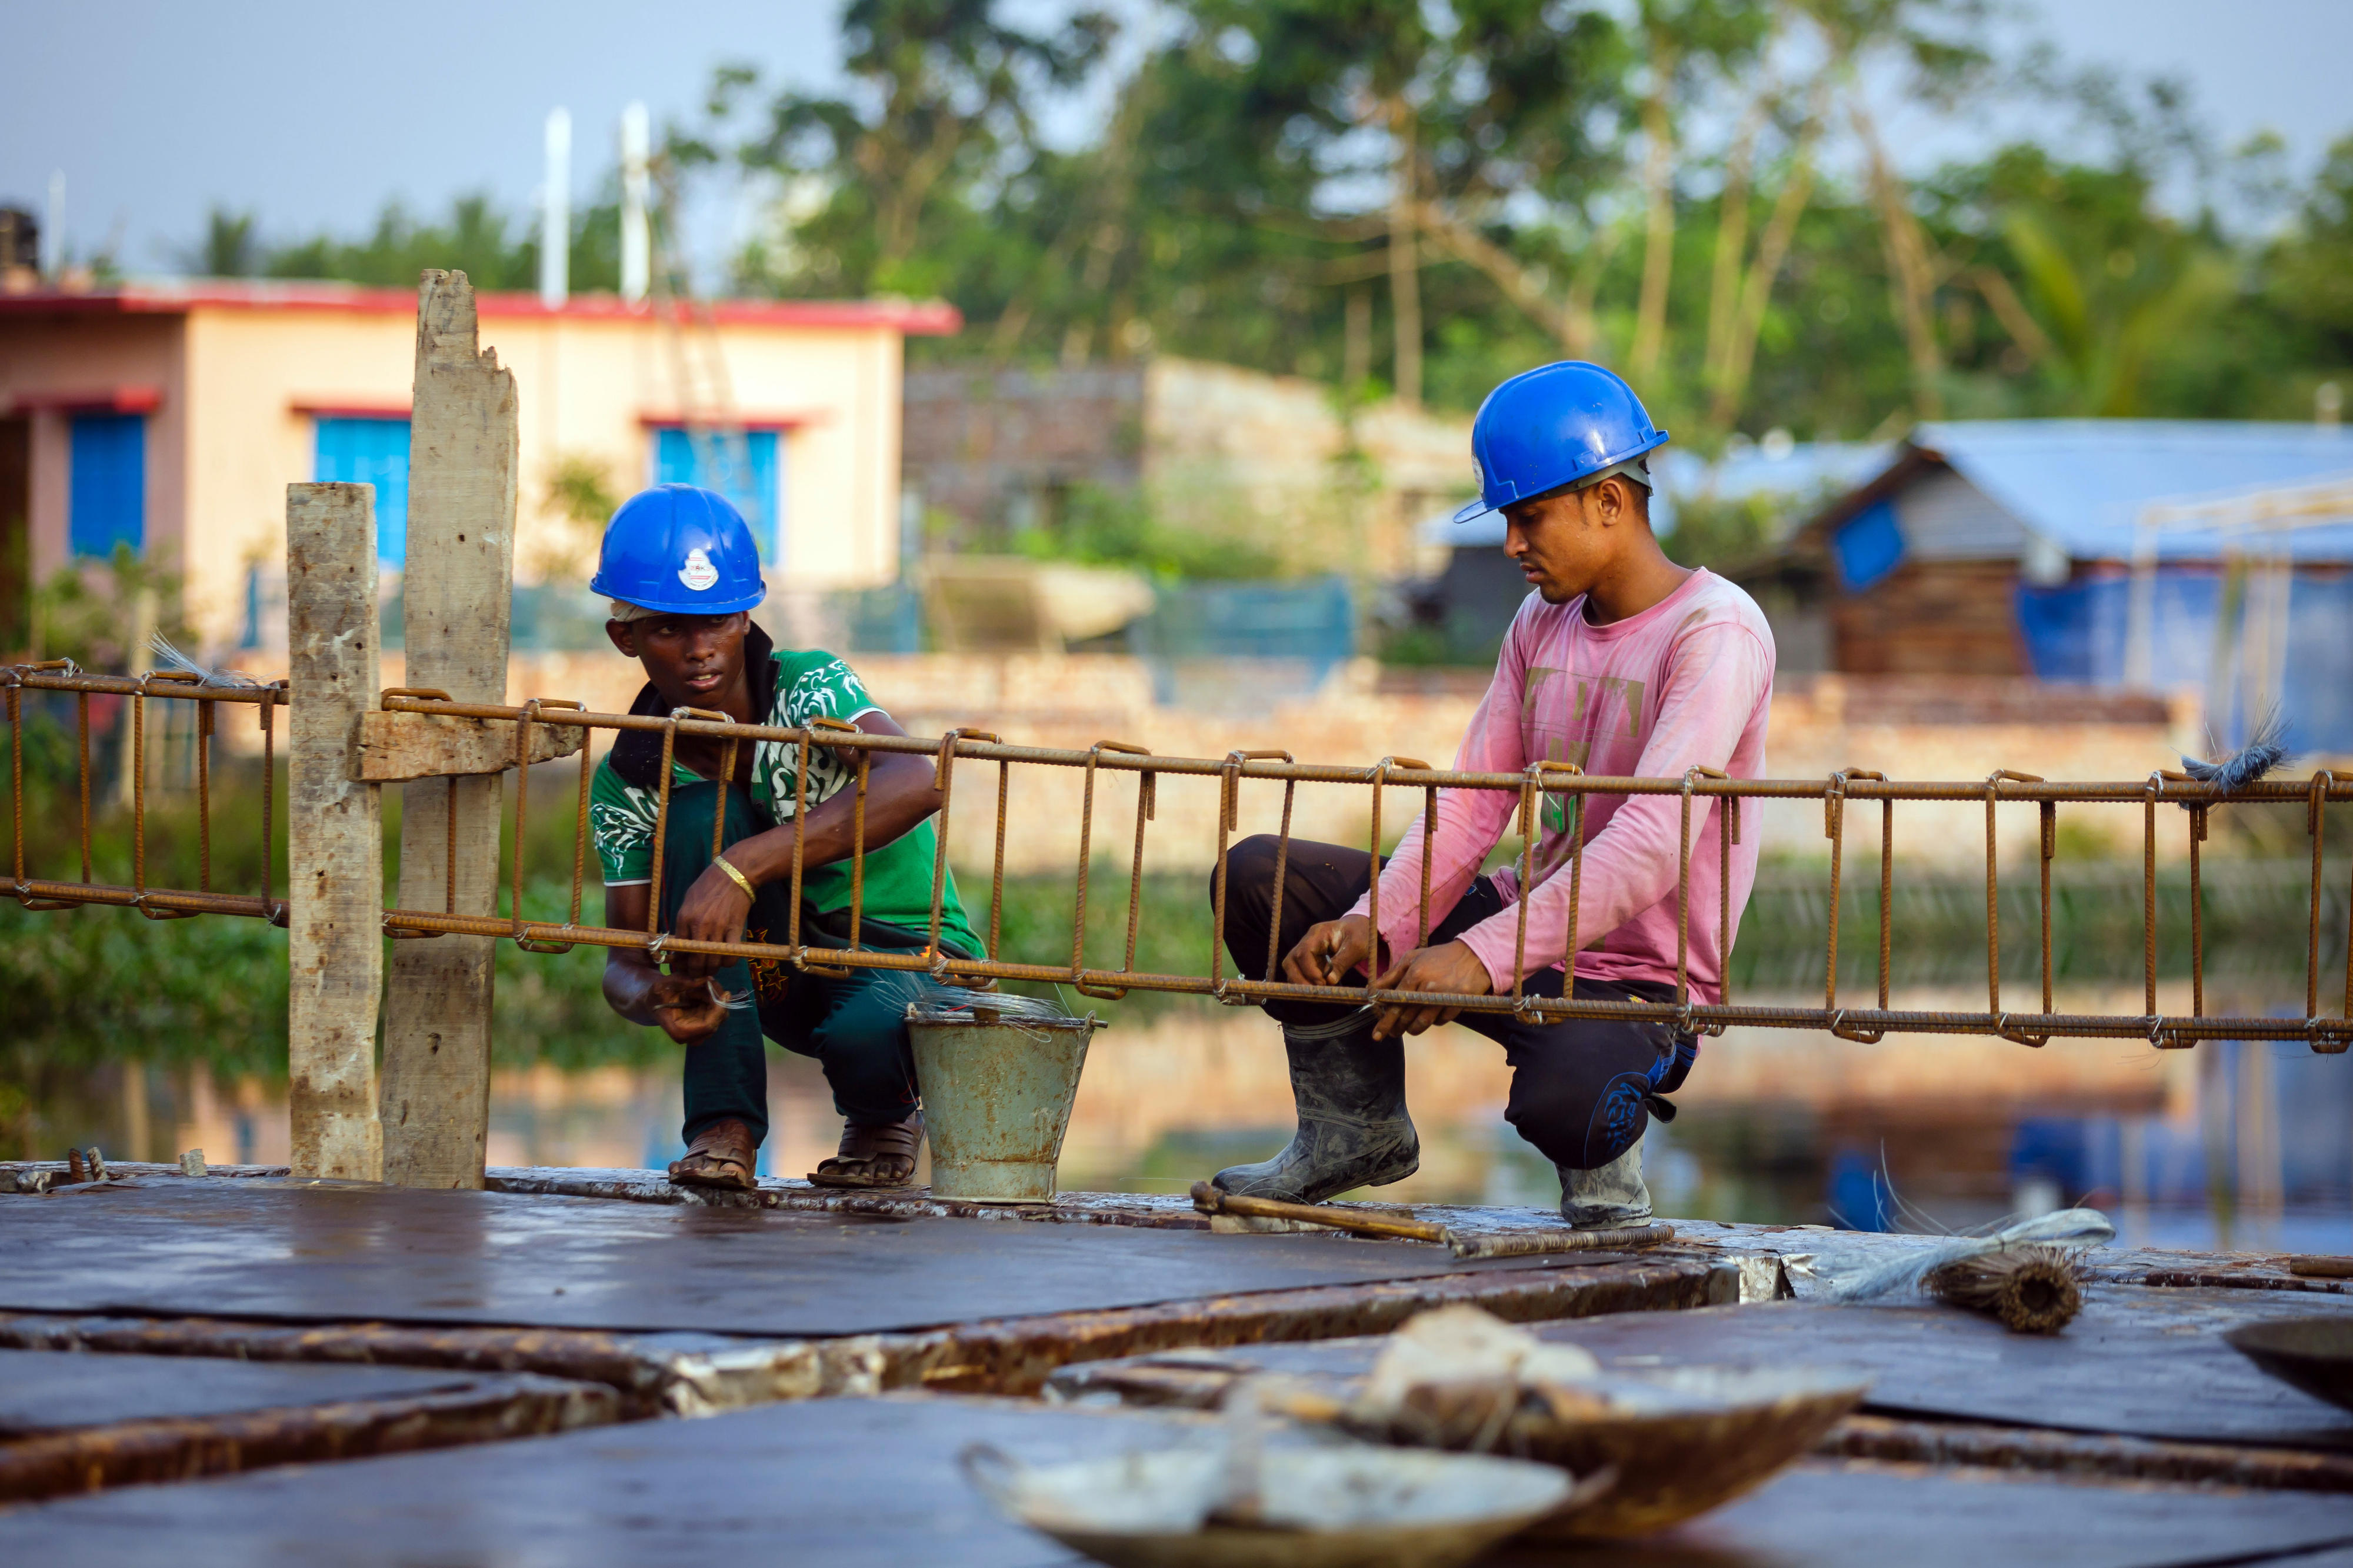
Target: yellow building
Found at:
172, 417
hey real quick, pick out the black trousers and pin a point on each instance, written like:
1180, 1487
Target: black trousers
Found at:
855, 1027
1582, 1089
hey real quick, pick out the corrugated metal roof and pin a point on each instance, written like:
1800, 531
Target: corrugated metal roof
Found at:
2081, 483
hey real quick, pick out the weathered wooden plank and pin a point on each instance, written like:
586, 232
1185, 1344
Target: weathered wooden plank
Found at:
858, 1482
457, 596
72, 1423
394, 748
334, 834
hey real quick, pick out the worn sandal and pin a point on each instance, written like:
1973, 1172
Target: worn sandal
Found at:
881, 1156
721, 1156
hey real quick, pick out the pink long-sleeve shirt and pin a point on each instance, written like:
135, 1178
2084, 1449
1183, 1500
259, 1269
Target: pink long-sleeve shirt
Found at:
1686, 681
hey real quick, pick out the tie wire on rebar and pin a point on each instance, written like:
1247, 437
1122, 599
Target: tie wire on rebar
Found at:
169, 686
1530, 787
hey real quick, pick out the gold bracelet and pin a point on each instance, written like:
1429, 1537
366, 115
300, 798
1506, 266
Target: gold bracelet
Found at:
736, 877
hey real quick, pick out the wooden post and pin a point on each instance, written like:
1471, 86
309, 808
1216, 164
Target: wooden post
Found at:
334, 911
458, 594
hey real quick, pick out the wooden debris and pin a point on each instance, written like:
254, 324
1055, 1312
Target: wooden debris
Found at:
2033, 1289
458, 597
1360, 1222
334, 911
394, 748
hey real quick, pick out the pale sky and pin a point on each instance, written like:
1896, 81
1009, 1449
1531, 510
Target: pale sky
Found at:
313, 113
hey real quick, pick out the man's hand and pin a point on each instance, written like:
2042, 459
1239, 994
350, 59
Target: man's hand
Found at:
1453, 969
686, 1007
1326, 955
715, 909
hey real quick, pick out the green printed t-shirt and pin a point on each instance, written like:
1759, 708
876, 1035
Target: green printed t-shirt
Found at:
808, 685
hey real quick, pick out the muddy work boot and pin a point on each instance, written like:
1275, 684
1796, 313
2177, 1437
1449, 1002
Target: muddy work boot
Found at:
1608, 1195
1352, 1127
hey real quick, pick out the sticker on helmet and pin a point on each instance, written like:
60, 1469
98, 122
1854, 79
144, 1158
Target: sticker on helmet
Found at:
698, 574
1478, 474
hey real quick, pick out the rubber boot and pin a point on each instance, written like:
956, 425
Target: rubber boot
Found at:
1352, 1127
1608, 1195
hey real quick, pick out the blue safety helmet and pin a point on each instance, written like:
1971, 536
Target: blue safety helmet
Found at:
680, 549
1551, 426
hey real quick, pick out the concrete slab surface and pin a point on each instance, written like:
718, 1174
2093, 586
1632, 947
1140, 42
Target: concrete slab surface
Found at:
323, 1251
852, 1482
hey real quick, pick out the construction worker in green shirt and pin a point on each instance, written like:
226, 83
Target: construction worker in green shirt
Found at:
682, 571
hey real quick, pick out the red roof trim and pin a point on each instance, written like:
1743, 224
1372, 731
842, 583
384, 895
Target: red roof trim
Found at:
913, 318
385, 410
102, 400
791, 421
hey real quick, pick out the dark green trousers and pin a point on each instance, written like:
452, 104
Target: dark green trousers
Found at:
856, 1028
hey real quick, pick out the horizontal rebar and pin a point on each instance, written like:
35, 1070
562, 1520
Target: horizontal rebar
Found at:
1560, 779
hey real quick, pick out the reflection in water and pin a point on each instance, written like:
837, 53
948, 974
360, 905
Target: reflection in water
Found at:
2234, 1144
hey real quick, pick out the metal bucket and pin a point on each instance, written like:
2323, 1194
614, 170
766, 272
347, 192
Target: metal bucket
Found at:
997, 1090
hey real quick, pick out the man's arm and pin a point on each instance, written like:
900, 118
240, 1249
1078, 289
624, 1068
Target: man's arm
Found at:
899, 798
1470, 824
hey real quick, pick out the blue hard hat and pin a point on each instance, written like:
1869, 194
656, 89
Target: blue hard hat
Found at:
680, 549
1551, 426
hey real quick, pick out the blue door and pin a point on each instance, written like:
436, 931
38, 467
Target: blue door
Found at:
107, 490
756, 494
370, 452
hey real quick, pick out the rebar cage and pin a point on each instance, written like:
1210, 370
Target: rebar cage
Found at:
1696, 790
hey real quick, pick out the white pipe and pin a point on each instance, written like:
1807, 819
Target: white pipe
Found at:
637, 236
555, 214
53, 231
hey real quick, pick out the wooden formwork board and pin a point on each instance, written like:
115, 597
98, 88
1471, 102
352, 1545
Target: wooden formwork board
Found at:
78, 1423
852, 1482
328, 1252
2139, 1363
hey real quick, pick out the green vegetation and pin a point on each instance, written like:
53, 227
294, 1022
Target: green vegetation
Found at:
1401, 198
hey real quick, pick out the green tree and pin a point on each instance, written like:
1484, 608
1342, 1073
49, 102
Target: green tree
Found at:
943, 100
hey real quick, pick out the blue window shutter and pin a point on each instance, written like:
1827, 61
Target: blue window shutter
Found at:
757, 495
370, 452
109, 484
1868, 546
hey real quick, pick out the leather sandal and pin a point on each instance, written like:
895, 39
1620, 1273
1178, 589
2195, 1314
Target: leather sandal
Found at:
721, 1156
878, 1155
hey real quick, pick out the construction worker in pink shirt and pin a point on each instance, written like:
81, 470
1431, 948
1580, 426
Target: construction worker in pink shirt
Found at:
1621, 662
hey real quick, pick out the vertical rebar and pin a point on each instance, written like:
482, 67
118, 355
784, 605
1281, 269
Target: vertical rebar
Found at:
1993, 906
81, 721
1373, 966
17, 781
661, 831
523, 806
1528, 777
1728, 835
2155, 787
1886, 896
800, 842
268, 800
1682, 898
1429, 837
2197, 916
2049, 848
2313, 824
580, 826
1282, 871
1833, 829
139, 799
1086, 847
996, 871
204, 719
